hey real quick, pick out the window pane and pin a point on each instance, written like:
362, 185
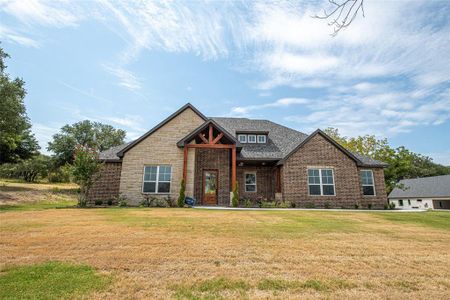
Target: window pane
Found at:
261, 138
313, 176
250, 188
164, 173
366, 177
163, 187
251, 138
314, 189
149, 187
150, 173
368, 190
250, 179
328, 189
327, 176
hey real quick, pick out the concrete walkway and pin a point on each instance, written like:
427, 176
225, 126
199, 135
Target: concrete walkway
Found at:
311, 209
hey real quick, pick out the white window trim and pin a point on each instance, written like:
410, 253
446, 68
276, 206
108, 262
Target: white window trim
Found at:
239, 138
245, 182
320, 181
157, 180
261, 135
248, 139
373, 183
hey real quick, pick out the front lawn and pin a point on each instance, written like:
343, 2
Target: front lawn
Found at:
203, 254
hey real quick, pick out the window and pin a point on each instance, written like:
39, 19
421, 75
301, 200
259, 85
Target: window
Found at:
409, 202
367, 183
262, 139
242, 138
251, 138
321, 182
400, 202
157, 179
419, 200
250, 182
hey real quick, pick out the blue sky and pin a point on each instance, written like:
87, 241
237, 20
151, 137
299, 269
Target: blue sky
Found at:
131, 64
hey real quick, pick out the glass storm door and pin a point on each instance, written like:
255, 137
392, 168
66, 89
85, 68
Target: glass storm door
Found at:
210, 187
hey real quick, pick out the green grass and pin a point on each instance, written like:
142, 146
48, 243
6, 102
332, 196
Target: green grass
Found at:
51, 280
38, 206
434, 219
220, 288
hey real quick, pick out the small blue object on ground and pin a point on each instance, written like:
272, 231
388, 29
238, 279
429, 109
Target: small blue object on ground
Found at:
189, 201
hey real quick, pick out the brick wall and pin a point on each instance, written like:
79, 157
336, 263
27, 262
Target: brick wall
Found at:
319, 152
106, 184
380, 197
265, 182
158, 148
213, 159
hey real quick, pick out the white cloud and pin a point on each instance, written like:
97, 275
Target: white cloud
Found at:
284, 102
44, 134
49, 13
17, 38
126, 78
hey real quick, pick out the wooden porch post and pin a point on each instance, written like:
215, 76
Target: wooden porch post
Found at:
233, 167
185, 163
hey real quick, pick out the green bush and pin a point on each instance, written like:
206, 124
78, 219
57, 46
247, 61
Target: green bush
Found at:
327, 205
285, 204
268, 204
61, 174
356, 206
98, 202
391, 205
246, 202
29, 170
110, 202
182, 196
122, 203
369, 206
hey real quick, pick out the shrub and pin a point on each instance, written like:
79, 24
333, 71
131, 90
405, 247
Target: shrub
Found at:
182, 195
369, 206
285, 204
391, 205
356, 206
29, 170
146, 202
268, 204
61, 174
235, 198
98, 202
110, 202
327, 205
122, 203
169, 201
310, 205
247, 202
293, 205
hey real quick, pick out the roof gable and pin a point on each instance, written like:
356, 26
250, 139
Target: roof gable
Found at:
202, 127
161, 124
329, 139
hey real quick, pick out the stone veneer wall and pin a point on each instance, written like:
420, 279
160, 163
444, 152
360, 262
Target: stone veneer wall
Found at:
319, 152
265, 182
106, 184
157, 149
213, 159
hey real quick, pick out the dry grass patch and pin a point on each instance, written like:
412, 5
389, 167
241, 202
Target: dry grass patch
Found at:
188, 253
31, 196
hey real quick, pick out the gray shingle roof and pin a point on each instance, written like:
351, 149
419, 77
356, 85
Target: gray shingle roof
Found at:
281, 140
436, 186
111, 153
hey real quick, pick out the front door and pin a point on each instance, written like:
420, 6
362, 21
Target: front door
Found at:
210, 187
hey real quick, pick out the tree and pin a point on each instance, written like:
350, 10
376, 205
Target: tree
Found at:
85, 166
29, 170
16, 139
85, 133
342, 13
182, 195
402, 162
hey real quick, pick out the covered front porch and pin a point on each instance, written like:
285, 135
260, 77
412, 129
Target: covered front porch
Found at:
211, 169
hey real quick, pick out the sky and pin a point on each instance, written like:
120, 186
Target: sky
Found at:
131, 64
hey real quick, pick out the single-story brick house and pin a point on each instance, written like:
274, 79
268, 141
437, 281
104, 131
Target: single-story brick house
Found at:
266, 160
422, 193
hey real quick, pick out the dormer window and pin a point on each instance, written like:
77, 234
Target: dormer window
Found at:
262, 139
242, 138
251, 138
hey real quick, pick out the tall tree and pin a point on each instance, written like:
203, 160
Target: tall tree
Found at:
16, 139
93, 135
403, 163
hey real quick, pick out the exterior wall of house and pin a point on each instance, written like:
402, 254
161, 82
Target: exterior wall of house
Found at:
265, 182
319, 152
157, 149
106, 184
420, 203
213, 159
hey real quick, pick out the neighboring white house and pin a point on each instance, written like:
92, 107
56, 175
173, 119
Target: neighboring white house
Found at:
422, 193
